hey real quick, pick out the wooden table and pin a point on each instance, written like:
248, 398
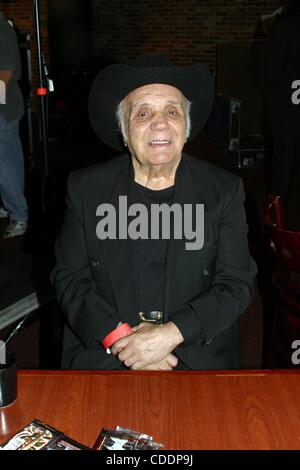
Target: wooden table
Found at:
183, 410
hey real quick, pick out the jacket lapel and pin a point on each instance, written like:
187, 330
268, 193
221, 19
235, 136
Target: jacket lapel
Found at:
120, 256
178, 258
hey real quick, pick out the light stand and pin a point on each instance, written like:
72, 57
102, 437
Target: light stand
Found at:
42, 93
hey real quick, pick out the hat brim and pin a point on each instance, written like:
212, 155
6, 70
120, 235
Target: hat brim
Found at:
116, 81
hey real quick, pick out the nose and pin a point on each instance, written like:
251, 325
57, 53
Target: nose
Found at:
159, 122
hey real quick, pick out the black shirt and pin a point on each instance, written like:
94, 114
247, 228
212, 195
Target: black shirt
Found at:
151, 253
151, 268
152, 256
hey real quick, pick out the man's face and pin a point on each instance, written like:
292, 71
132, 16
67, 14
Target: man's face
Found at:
155, 123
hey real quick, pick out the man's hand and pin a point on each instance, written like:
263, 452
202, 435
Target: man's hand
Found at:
148, 345
169, 363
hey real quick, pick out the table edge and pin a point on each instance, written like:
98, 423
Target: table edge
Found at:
216, 373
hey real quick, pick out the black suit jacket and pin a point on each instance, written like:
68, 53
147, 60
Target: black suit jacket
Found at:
96, 280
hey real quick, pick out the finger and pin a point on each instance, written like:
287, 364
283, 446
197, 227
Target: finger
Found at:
129, 362
139, 327
165, 367
172, 360
143, 325
113, 350
125, 354
120, 344
157, 367
138, 365
149, 367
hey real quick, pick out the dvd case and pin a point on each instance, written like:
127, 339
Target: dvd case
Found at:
39, 436
124, 439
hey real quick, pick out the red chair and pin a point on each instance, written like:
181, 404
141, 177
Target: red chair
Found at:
285, 248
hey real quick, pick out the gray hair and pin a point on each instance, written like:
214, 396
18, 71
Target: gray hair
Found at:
120, 116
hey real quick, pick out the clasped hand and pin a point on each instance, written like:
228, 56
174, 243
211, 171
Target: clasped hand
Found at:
149, 347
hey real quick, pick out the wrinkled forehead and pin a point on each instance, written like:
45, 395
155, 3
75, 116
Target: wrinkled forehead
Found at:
156, 92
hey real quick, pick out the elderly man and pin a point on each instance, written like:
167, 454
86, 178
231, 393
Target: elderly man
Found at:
157, 303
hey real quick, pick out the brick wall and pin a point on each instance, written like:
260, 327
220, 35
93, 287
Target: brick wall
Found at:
186, 30
21, 11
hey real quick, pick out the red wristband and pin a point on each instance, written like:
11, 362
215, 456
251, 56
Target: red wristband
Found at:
116, 334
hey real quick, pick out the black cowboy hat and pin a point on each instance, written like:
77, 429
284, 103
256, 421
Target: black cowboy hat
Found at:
116, 81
